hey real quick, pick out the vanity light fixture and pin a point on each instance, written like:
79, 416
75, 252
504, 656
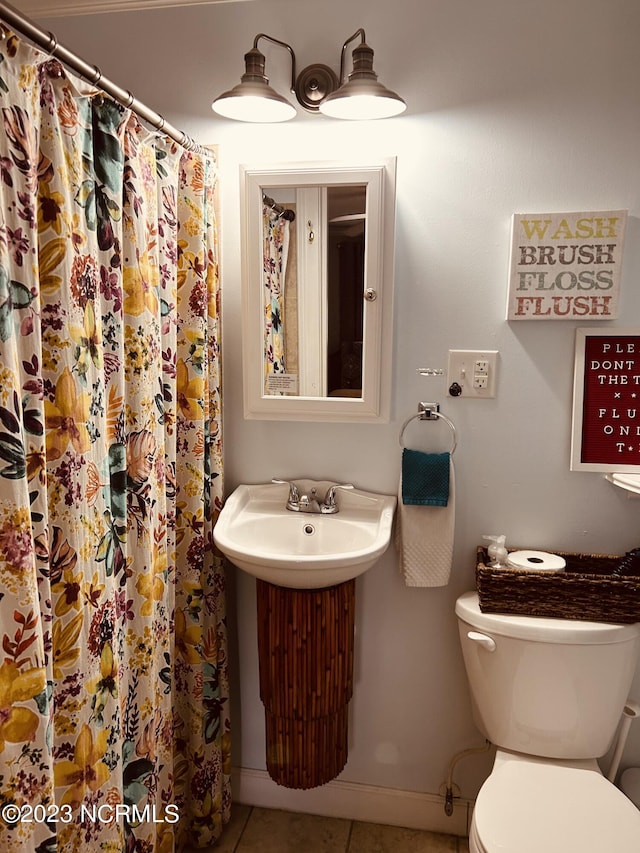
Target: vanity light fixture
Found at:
316, 88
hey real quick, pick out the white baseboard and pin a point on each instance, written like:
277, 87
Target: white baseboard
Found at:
354, 802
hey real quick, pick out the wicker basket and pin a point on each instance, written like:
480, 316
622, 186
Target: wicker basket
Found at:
586, 589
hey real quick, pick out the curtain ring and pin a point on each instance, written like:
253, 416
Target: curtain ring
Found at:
51, 50
53, 43
130, 101
98, 76
161, 124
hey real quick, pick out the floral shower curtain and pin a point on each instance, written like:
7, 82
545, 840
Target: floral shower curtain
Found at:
114, 726
274, 255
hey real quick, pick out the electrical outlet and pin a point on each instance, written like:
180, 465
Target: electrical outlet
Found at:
472, 373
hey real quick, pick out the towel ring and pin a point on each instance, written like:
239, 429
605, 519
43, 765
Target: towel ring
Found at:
432, 416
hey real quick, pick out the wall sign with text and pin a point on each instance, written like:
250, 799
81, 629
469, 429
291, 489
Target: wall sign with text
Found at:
566, 266
606, 401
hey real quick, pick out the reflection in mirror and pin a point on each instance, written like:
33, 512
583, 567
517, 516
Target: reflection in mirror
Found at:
318, 249
333, 291
346, 216
279, 285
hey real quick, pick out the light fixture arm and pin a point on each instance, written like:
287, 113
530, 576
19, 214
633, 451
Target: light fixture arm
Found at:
363, 39
282, 44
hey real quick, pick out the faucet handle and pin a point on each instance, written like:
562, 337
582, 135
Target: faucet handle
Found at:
330, 497
294, 491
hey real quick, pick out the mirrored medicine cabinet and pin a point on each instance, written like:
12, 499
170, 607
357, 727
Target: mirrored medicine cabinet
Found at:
317, 292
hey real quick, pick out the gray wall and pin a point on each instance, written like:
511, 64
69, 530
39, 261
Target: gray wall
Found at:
513, 107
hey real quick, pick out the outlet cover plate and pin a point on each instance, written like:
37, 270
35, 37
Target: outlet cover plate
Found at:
475, 371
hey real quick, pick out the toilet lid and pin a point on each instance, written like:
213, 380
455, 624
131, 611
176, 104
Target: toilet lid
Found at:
533, 806
542, 629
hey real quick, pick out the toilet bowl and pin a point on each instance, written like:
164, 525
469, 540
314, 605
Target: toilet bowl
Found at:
630, 784
549, 693
529, 806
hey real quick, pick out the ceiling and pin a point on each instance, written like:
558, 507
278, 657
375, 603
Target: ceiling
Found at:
60, 8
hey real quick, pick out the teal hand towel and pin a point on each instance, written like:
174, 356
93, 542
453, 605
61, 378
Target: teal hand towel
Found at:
425, 478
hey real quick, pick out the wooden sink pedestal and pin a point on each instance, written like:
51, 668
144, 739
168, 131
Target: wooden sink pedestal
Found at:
305, 647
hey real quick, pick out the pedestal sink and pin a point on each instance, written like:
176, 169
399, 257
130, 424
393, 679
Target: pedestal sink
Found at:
303, 550
305, 565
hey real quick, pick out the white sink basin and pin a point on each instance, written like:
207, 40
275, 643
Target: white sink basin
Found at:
298, 549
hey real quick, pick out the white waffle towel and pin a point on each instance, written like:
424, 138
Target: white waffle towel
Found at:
424, 539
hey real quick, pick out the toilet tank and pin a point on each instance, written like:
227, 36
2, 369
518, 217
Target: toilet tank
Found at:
554, 688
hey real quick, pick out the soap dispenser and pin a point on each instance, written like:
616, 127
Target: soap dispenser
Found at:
497, 552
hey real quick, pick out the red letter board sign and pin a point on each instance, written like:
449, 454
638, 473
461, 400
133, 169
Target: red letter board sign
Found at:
606, 413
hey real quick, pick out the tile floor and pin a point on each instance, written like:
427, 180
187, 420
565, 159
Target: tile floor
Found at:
258, 830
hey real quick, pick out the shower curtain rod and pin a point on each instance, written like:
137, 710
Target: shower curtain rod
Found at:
282, 211
49, 43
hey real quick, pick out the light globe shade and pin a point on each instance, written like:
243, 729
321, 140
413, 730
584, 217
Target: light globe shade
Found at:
360, 100
253, 102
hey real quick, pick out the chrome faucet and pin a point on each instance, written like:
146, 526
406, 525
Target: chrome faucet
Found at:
308, 502
302, 502
330, 504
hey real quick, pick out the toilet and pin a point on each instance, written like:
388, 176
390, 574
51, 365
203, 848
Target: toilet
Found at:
549, 694
630, 784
